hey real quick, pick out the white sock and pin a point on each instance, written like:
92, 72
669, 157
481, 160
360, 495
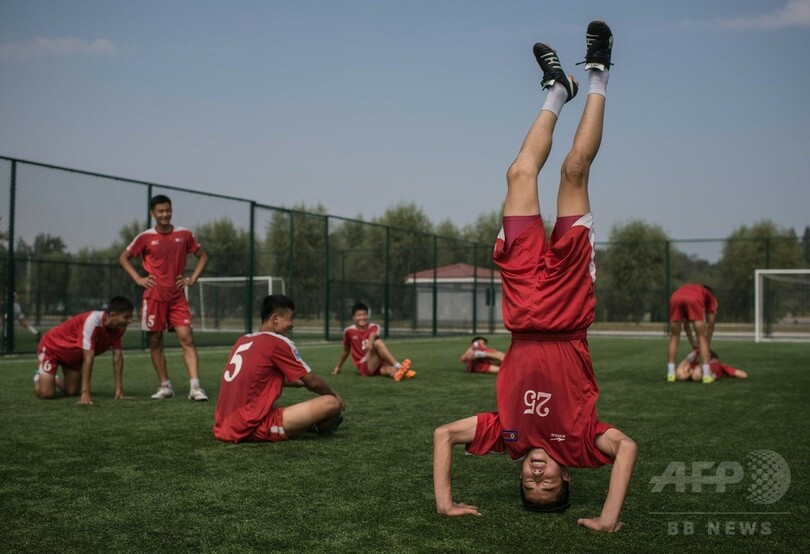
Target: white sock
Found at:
166, 384
194, 383
597, 81
397, 365
555, 99
706, 371
671, 369
33, 330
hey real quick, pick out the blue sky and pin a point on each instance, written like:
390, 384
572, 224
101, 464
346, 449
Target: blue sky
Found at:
360, 105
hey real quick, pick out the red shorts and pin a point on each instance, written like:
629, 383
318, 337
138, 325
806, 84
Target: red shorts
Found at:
685, 309
548, 288
271, 429
49, 363
479, 366
163, 316
365, 371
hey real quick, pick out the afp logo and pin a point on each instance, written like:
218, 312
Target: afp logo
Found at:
767, 476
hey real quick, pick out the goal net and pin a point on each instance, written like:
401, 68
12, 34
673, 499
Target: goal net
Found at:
220, 303
782, 304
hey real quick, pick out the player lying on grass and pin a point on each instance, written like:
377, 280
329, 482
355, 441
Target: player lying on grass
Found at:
546, 390
480, 358
369, 353
257, 368
74, 345
690, 370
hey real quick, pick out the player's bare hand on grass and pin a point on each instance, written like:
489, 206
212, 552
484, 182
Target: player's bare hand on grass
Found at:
460, 509
85, 400
336, 371
597, 524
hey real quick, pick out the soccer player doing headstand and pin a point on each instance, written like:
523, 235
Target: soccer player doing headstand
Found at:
546, 390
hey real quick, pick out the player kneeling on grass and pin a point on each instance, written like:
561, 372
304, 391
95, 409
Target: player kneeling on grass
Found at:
74, 345
369, 353
257, 368
546, 390
480, 358
690, 370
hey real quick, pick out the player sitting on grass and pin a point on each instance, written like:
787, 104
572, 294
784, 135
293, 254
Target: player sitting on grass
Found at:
74, 345
479, 358
690, 370
546, 390
369, 353
257, 368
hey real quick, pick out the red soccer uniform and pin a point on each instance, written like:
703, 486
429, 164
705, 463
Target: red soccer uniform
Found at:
357, 341
546, 389
482, 364
164, 256
548, 289
64, 345
691, 303
718, 369
251, 383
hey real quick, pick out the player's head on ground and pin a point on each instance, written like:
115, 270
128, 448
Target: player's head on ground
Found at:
543, 483
119, 312
360, 314
277, 314
160, 207
480, 342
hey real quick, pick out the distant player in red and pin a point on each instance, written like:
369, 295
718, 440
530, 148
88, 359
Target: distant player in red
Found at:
74, 345
690, 370
164, 249
692, 306
546, 391
480, 358
369, 353
257, 368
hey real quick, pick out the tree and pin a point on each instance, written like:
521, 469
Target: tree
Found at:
45, 273
295, 248
760, 246
633, 274
806, 245
485, 229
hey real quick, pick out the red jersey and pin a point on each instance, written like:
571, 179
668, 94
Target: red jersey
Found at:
68, 340
691, 302
480, 363
253, 381
357, 341
547, 396
164, 256
718, 369
548, 288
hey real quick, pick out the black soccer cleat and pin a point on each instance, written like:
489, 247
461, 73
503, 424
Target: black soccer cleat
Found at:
552, 70
599, 46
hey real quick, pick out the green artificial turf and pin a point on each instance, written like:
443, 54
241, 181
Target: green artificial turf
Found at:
143, 475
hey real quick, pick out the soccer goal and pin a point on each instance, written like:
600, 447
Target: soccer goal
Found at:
782, 304
220, 301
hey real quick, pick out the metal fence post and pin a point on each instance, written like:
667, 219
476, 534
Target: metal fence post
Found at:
10, 269
386, 291
435, 285
251, 268
326, 278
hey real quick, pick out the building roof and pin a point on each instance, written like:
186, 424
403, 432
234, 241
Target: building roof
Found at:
456, 273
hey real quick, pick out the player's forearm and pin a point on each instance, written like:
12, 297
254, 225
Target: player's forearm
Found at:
317, 385
442, 464
118, 372
202, 261
123, 260
623, 464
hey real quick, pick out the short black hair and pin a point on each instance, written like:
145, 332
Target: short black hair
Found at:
119, 305
359, 306
713, 354
159, 199
479, 338
556, 505
274, 304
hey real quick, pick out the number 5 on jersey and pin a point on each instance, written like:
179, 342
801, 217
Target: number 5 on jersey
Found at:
236, 361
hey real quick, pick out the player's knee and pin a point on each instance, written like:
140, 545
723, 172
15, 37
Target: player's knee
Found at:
156, 341
574, 171
522, 170
332, 405
43, 393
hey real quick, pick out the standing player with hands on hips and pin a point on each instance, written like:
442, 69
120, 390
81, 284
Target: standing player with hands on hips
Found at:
164, 249
546, 389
